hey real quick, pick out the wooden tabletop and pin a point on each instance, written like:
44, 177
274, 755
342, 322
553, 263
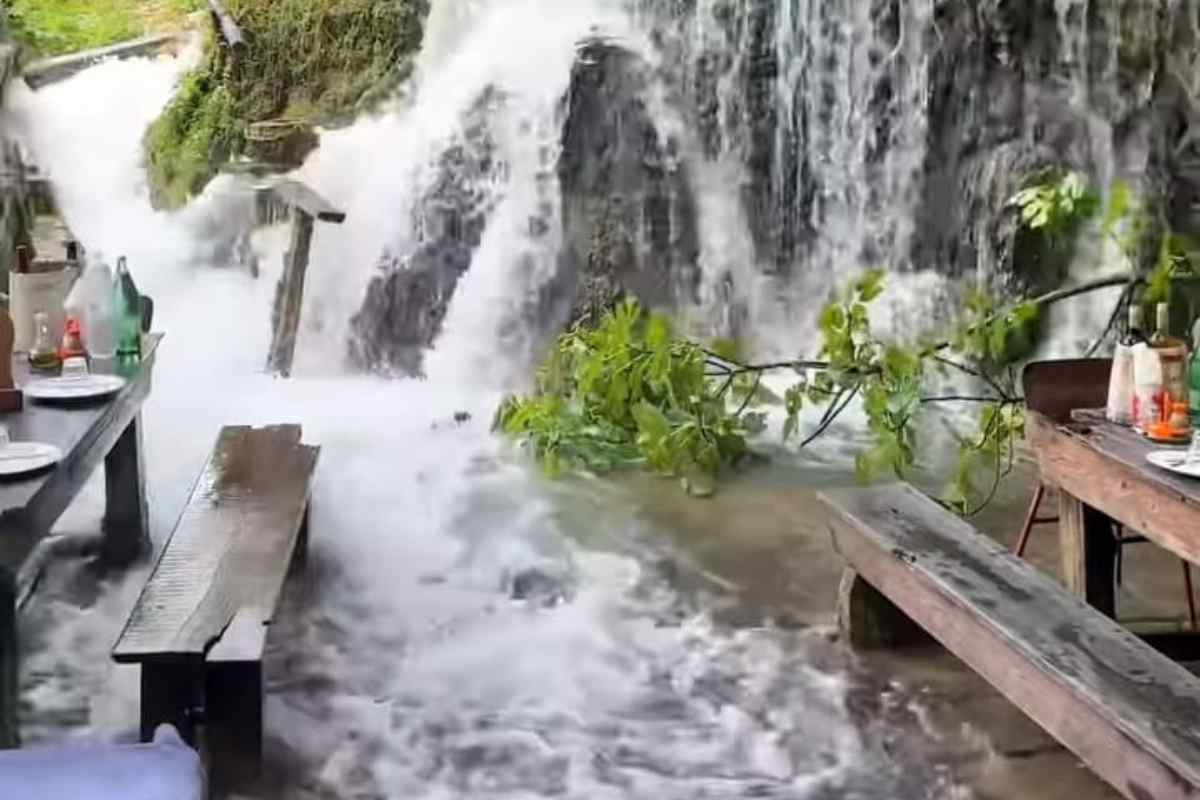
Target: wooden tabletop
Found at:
85, 432
1104, 466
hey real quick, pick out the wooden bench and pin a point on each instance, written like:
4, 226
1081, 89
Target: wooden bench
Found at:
1128, 712
199, 628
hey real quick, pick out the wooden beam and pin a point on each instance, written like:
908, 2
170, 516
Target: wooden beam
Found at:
231, 32
291, 297
297, 195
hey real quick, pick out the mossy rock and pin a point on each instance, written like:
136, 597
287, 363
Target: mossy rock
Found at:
281, 143
307, 62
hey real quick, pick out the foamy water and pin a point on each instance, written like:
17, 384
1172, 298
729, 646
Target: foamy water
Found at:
466, 629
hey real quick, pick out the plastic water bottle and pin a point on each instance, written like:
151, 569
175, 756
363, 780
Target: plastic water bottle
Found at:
99, 314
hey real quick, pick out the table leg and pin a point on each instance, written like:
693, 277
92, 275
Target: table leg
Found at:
1088, 551
9, 734
126, 517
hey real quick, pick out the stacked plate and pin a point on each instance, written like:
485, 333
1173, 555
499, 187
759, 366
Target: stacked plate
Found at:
19, 458
1176, 461
75, 387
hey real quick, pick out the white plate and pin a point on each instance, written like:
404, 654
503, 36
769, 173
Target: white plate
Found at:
1175, 461
19, 458
76, 388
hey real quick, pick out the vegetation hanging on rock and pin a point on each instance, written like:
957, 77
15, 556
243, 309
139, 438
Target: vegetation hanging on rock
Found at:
307, 62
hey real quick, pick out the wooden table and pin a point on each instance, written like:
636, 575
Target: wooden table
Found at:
1101, 473
89, 433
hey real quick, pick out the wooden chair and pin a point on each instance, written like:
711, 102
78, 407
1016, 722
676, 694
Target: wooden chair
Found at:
1055, 389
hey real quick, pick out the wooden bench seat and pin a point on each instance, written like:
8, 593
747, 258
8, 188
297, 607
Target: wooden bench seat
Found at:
1128, 712
199, 628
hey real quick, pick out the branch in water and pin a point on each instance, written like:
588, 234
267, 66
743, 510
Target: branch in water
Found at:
830, 418
966, 398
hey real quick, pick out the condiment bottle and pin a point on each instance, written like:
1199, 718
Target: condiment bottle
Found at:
72, 341
1148, 385
1120, 384
43, 355
1179, 421
1172, 353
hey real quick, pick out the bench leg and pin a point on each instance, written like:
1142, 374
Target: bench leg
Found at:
172, 693
126, 518
9, 677
868, 619
233, 724
1088, 551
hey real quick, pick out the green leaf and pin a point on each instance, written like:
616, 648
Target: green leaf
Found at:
870, 285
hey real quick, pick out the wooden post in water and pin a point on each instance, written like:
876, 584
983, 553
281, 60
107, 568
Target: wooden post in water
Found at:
305, 206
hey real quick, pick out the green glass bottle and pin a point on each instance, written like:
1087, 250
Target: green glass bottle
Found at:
128, 308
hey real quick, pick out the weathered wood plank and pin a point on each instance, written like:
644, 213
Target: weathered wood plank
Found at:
287, 323
1129, 713
1104, 466
230, 552
300, 196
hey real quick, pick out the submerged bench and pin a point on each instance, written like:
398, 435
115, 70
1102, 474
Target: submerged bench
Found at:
1128, 712
199, 628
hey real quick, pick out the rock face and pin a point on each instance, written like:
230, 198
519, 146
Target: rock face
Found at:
833, 135
894, 131
407, 301
627, 211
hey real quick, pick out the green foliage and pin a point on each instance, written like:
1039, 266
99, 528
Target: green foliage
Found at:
308, 61
629, 393
54, 27
1058, 205
199, 128
315, 59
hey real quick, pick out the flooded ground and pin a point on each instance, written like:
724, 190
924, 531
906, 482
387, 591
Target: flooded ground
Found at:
616, 640
465, 628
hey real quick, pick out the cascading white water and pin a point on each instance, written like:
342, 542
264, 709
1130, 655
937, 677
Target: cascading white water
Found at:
468, 630
471, 631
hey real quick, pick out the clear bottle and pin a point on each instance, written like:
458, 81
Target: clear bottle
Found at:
1174, 355
43, 355
128, 310
1134, 330
99, 319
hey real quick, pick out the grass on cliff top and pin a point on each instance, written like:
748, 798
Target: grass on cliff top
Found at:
315, 61
55, 27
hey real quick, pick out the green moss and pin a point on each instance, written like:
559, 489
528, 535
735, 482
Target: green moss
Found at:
312, 61
198, 129
53, 27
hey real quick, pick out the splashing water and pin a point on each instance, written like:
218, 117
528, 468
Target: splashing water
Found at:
467, 630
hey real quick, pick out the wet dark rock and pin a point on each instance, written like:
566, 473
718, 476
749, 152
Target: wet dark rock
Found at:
627, 211
540, 586
406, 303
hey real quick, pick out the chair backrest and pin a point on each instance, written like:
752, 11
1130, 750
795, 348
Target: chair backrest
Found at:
1056, 388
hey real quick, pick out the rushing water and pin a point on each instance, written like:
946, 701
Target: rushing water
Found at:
467, 629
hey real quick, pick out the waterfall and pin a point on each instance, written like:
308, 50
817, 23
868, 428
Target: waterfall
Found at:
737, 160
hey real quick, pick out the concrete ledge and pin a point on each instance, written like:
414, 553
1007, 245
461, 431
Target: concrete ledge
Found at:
51, 70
